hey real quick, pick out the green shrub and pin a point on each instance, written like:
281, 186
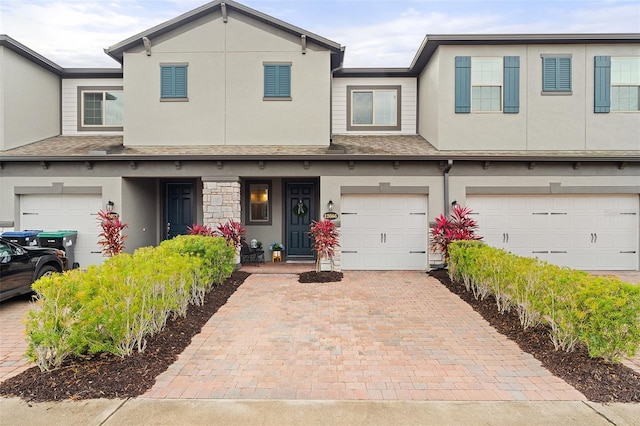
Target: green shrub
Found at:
601, 312
114, 307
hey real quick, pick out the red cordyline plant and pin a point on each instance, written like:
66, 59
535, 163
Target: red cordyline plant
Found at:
458, 226
196, 229
111, 238
232, 231
325, 240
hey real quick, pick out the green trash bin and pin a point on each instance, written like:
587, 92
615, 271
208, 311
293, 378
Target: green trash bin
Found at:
63, 240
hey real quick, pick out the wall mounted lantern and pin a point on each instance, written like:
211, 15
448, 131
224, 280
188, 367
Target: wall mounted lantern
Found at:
330, 205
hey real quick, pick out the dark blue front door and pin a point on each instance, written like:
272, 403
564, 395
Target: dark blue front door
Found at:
180, 208
301, 209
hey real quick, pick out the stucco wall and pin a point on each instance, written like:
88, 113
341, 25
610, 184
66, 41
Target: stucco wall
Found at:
545, 122
30, 98
225, 88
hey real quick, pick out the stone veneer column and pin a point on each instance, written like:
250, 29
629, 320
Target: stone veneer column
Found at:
220, 200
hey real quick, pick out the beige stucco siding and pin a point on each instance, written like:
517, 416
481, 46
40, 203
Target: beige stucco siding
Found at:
430, 98
30, 101
544, 122
70, 112
408, 103
225, 83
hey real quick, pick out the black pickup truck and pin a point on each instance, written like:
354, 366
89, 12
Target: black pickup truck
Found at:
21, 266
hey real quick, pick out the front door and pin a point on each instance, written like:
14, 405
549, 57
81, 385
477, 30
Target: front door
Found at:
300, 209
180, 208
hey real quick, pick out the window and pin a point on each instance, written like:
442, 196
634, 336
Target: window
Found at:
616, 84
373, 107
556, 74
100, 108
173, 82
259, 202
487, 84
277, 81
625, 84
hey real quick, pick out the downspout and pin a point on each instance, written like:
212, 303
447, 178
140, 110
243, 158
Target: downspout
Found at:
445, 174
333, 70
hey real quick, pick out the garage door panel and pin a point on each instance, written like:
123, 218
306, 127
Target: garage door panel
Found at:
382, 230
54, 212
579, 231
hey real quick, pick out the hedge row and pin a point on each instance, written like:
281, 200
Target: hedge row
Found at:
114, 307
601, 312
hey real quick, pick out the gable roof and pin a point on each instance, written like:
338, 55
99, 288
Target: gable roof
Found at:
51, 66
117, 50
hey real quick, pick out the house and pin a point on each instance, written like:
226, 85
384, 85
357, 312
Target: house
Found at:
227, 113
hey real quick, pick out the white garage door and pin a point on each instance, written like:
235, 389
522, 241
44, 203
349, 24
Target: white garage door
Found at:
592, 232
66, 212
383, 232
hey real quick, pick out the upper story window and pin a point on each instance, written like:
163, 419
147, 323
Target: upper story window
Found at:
625, 84
487, 84
556, 74
100, 108
173, 82
277, 81
259, 201
373, 108
616, 84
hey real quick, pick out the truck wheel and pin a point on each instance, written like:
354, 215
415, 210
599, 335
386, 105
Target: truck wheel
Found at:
46, 270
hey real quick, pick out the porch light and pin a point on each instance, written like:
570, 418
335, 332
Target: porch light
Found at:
330, 205
110, 206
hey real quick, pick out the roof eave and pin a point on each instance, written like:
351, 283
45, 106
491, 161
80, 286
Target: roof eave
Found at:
329, 157
431, 42
30, 55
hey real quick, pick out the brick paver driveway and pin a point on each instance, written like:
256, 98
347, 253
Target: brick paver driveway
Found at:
375, 335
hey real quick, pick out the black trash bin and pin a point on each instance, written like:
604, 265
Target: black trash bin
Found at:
22, 238
63, 240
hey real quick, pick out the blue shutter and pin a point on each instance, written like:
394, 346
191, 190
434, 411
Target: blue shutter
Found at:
270, 78
284, 80
549, 74
180, 82
173, 81
602, 84
556, 74
511, 84
564, 74
166, 82
463, 84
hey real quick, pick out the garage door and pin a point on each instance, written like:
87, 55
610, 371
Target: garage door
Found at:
66, 212
384, 232
592, 232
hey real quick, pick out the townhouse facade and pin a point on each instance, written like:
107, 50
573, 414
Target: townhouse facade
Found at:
227, 113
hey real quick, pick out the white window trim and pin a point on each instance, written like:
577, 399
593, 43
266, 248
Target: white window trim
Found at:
501, 86
95, 127
373, 127
613, 58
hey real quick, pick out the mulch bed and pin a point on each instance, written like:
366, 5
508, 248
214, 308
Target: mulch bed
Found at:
109, 376
596, 379
320, 277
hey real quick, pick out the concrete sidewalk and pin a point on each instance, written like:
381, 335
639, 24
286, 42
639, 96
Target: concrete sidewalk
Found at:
143, 411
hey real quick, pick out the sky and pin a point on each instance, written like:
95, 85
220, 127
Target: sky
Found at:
376, 33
